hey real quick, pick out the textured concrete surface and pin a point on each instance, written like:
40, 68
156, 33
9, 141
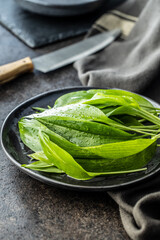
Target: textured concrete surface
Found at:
32, 210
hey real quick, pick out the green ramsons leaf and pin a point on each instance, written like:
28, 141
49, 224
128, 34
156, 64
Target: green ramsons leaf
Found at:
43, 167
111, 100
66, 162
81, 96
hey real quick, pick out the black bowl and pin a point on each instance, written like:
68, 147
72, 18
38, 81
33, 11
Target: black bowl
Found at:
60, 7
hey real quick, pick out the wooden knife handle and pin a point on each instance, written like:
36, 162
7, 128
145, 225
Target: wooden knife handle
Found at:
12, 70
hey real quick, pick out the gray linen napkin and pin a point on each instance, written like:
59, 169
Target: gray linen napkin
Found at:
130, 64
140, 209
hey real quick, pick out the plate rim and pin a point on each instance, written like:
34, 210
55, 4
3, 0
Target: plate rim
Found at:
54, 182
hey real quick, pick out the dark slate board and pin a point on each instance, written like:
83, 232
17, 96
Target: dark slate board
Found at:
36, 31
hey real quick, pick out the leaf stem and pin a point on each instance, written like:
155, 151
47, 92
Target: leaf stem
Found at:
148, 116
154, 108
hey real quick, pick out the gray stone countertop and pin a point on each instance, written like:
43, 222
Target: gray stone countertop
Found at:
30, 209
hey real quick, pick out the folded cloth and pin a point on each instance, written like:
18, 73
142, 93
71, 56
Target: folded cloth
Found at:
140, 209
130, 64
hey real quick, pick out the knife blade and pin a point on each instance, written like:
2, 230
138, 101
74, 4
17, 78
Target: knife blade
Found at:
58, 58
70, 54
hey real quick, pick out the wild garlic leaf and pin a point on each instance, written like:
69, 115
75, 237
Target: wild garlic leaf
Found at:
29, 133
129, 120
89, 127
136, 113
85, 133
140, 100
78, 112
80, 96
135, 161
84, 139
111, 100
72, 98
40, 156
38, 109
107, 110
39, 164
121, 149
66, 162
42, 166
28, 130
62, 159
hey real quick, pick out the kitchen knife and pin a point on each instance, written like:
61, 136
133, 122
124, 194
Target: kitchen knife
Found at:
58, 58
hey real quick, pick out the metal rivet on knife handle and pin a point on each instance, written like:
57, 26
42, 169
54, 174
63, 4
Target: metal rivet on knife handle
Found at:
12, 70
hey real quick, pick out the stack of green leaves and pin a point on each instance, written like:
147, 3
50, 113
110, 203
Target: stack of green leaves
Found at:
92, 133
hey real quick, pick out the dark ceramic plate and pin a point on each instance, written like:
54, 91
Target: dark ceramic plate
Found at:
60, 7
17, 152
